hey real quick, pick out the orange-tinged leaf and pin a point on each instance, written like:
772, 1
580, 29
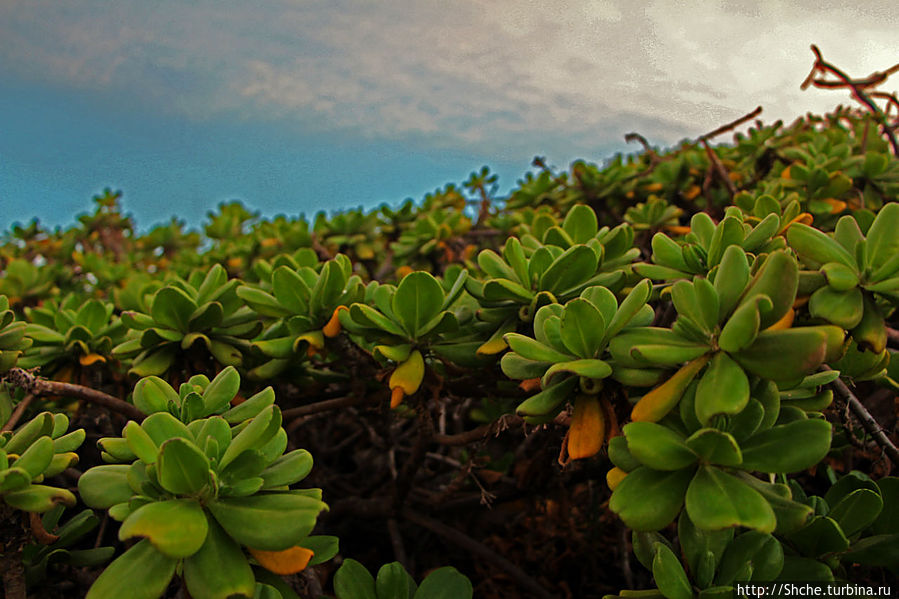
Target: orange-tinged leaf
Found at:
269, 242
402, 271
678, 229
805, 218
91, 359
836, 206
289, 561
785, 174
692, 192
332, 329
654, 187
529, 385
653, 406
396, 397
588, 428
785, 322
800, 301
614, 477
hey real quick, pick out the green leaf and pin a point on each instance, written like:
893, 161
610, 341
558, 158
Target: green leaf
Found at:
816, 248
718, 500
580, 223
888, 520
715, 447
882, 241
393, 582
288, 517
177, 527
754, 555
787, 447
221, 390
418, 300
35, 459
288, 469
532, 349
182, 468
353, 581
723, 389
219, 568
842, 308
666, 490
573, 267
38, 498
821, 536
657, 446
669, 575
857, 511
251, 407
258, 432
444, 583
172, 308
142, 572
594, 369
582, 328
152, 394
323, 547
104, 486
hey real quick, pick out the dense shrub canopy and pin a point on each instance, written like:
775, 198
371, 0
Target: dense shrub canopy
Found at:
671, 345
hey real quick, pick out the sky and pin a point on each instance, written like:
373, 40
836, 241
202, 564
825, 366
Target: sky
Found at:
298, 106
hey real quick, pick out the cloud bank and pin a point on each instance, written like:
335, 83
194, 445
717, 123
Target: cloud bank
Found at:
496, 78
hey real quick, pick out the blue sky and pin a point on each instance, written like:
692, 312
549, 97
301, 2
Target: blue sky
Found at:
297, 106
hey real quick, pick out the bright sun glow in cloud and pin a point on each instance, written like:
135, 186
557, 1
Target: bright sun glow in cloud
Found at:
493, 75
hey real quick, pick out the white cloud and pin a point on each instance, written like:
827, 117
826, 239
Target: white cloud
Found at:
492, 76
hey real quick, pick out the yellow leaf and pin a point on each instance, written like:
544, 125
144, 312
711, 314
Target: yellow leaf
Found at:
91, 359
287, 561
653, 406
494, 346
614, 477
784, 323
409, 374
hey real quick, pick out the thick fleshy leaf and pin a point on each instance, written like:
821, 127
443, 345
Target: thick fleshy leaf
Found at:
778, 278
353, 581
666, 489
787, 447
393, 582
593, 369
284, 562
842, 308
259, 431
723, 389
219, 569
142, 572
172, 308
288, 469
752, 555
582, 328
669, 575
715, 447
444, 583
221, 390
882, 241
182, 468
573, 267
790, 354
152, 394
38, 498
417, 300
288, 517
104, 486
657, 446
177, 528
857, 511
718, 500
653, 406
